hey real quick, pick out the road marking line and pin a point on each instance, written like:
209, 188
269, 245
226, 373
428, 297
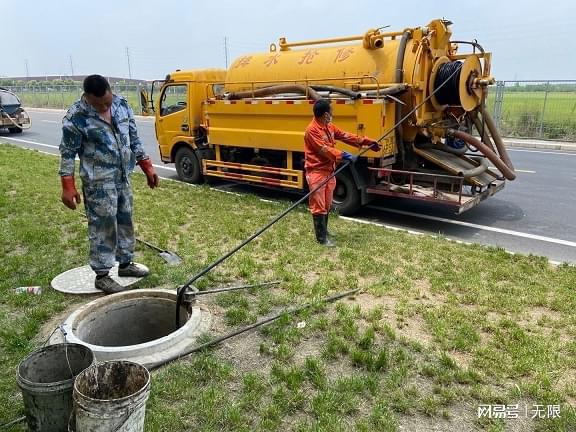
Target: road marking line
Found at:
392, 227
545, 152
516, 170
164, 167
50, 121
30, 142
54, 146
480, 227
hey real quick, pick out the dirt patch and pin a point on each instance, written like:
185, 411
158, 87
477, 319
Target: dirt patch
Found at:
49, 329
243, 352
462, 418
412, 327
537, 314
17, 250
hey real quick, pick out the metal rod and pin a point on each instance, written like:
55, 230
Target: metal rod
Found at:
13, 422
184, 287
217, 290
290, 310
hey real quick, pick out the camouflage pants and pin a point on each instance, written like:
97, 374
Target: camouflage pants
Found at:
110, 230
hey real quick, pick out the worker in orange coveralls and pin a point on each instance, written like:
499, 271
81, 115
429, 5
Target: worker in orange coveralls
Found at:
321, 158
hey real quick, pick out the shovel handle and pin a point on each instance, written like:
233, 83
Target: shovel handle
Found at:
150, 245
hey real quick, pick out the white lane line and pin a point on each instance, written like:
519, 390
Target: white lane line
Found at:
225, 191
480, 227
164, 167
50, 121
516, 170
392, 227
544, 152
54, 146
30, 142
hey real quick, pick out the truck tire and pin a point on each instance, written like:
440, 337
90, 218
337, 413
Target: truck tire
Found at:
15, 130
346, 200
188, 166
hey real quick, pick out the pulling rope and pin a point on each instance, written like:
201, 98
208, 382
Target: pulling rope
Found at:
223, 258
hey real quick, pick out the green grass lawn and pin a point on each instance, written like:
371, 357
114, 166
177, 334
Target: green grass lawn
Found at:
438, 329
533, 114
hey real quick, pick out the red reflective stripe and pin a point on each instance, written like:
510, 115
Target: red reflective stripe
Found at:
311, 102
368, 101
290, 102
233, 102
270, 181
268, 102
340, 102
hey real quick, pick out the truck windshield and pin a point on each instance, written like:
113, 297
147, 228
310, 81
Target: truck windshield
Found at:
7, 98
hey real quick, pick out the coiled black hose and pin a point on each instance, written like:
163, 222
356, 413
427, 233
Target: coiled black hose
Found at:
449, 93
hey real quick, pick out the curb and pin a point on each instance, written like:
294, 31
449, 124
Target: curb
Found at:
536, 144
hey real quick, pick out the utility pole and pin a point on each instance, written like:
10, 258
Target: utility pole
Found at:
226, 50
129, 66
71, 66
27, 71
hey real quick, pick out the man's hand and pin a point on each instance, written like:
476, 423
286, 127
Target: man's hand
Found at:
151, 176
373, 145
349, 157
70, 196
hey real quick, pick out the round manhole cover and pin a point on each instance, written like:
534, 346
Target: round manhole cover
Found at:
80, 280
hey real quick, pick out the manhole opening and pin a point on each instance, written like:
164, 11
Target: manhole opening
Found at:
130, 322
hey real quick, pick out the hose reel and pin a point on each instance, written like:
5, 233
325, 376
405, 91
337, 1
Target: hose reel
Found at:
462, 89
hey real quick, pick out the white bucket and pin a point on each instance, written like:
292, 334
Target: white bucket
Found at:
111, 396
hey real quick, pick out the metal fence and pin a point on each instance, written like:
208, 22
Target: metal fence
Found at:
528, 109
535, 109
62, 96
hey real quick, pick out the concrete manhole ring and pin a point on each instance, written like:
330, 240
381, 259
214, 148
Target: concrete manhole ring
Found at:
137, 325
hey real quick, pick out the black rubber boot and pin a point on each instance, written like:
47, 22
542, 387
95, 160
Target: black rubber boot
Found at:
328, 235
320, 230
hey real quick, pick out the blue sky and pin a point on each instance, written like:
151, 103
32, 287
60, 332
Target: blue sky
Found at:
528, 39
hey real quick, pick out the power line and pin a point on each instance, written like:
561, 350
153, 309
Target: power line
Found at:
129, 66
71, 65
226, 50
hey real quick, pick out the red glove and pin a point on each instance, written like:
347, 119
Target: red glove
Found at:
151, 176
70, 196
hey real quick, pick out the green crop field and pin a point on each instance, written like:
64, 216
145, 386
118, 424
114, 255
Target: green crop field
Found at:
537, 114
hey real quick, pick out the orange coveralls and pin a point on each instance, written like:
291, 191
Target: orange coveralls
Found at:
320, 159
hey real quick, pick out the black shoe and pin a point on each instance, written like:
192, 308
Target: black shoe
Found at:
132, 270
328, 235
320, 230
108, 285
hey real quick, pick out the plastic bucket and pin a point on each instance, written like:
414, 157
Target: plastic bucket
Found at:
46, 378
111, 396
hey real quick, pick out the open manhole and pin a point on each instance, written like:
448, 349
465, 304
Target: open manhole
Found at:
136, 325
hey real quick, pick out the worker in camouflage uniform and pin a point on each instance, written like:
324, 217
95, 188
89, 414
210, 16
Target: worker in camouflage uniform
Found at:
100, 129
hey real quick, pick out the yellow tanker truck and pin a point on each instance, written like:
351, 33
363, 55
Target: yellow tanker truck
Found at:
415, 88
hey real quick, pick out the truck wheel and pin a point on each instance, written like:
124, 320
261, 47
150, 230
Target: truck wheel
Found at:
346, 199
14, 130
188, 166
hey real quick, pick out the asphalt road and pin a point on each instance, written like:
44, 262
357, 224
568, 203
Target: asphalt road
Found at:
533, 214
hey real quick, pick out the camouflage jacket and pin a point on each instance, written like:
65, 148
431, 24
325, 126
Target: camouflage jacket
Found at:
107, 152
